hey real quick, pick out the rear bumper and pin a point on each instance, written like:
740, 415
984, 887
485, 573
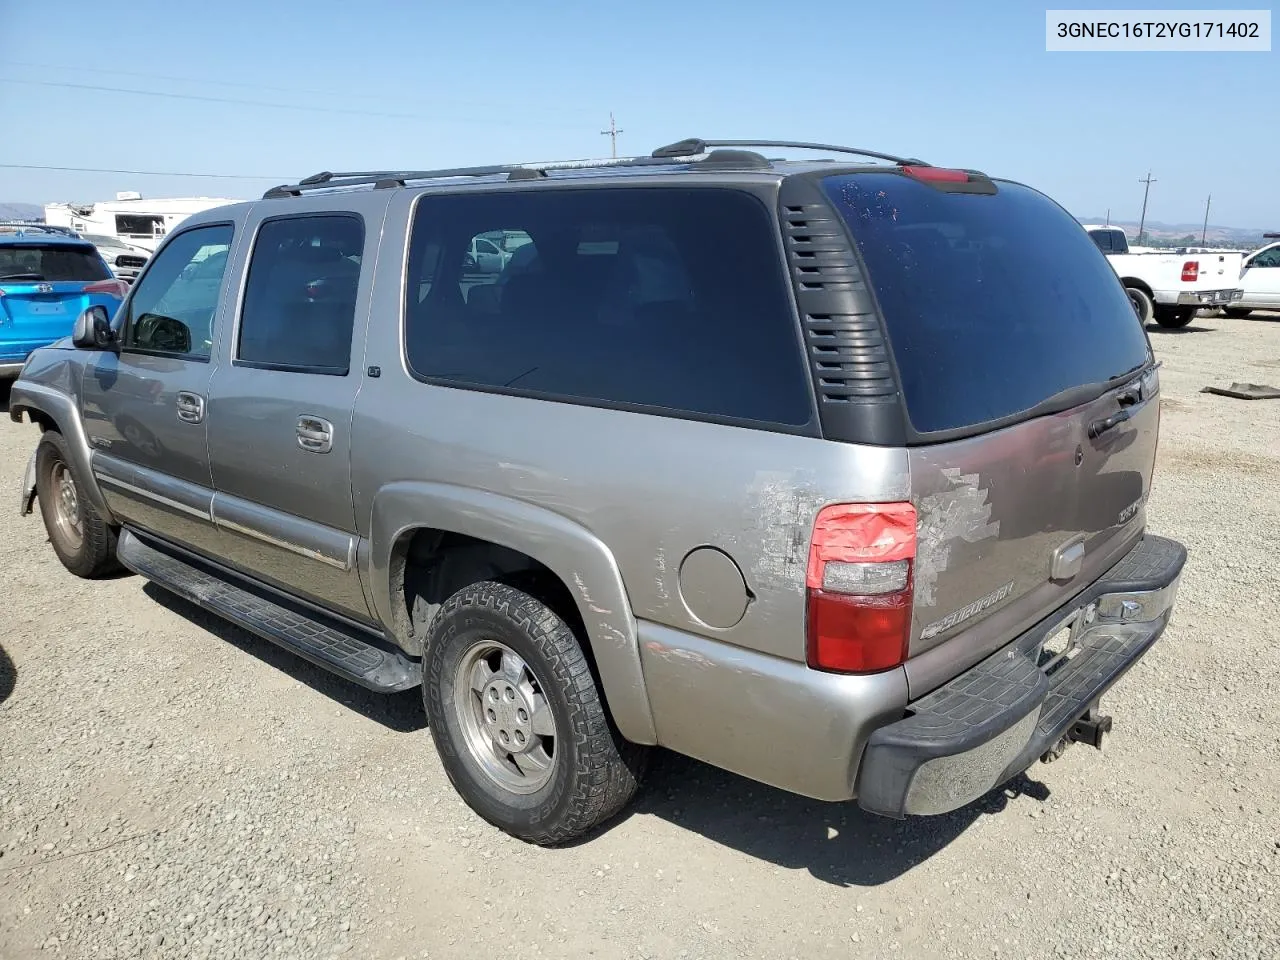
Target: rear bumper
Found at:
1208, 298
992, 722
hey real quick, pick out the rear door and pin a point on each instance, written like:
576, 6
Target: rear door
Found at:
1033, 416
44, 285
280, 411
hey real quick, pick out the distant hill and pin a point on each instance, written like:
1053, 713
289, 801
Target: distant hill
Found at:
21, 211
1189, 233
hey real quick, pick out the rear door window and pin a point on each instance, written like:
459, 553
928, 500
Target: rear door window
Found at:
665, 299
300, 298
52, 263
992, 304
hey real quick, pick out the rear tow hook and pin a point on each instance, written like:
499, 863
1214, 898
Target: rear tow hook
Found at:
1090, 728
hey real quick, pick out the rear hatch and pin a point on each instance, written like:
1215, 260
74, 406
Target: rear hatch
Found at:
44, 285
1030, 391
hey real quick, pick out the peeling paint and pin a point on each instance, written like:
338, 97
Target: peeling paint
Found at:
783, 505
961, 512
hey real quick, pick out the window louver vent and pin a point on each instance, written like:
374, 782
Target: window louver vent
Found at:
846, 348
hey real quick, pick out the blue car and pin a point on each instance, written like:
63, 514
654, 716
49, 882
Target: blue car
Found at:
47, 277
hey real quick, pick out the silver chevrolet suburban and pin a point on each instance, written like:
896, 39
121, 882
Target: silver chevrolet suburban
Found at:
830, 472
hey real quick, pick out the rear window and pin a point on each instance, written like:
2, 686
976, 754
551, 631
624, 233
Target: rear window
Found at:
667, 299
51, 262
992, 304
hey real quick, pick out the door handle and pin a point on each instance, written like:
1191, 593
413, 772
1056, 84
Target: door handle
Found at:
190, 407
315, 434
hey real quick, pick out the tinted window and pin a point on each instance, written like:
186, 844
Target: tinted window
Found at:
139, 225
172, 309
992, 303
300, 298
1268, 258
673, 299
52, 263
1103, 239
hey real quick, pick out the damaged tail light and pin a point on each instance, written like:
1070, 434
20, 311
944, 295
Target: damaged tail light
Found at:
859, 586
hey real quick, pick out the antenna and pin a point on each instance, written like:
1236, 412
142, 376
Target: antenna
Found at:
1143, 222
1205, 229
612, 134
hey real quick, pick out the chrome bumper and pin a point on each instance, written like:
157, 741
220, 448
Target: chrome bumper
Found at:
1208, 298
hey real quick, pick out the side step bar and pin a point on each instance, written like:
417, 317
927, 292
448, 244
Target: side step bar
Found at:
326, 642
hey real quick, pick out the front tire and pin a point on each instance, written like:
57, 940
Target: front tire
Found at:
83, 541
1174, 317
518, 720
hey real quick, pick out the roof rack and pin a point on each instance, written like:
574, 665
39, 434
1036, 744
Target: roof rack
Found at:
387, 179
695, 146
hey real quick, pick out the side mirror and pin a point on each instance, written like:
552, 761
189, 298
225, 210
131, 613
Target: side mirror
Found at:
92, 330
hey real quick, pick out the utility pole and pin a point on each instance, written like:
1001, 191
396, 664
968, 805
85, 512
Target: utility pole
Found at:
1143, 222
612, 134
1205, 229
1108, 216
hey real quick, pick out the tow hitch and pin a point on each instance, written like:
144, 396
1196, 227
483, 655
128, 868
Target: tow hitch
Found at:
1090, 728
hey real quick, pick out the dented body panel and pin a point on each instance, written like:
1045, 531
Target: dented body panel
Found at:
996, 511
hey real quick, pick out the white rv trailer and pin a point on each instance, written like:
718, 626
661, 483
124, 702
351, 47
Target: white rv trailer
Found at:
142, 223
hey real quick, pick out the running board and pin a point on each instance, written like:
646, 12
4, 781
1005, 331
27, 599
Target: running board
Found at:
325, 642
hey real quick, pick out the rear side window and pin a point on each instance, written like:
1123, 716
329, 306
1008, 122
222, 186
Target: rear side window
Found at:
992, 304
668, 299
300, 297
51, 263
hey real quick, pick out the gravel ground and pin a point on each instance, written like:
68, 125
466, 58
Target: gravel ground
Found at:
172, 787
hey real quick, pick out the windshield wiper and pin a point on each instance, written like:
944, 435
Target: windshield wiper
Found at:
23, 276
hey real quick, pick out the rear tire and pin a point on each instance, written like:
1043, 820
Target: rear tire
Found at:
1143, 305
1174, 317
83, 541
518, 720
1237, 313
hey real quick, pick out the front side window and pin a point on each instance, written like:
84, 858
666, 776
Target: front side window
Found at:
300, 297
668, 299
172, 309
1267, 258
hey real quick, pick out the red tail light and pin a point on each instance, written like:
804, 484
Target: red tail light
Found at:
859, 585
940, 174
1190, 271
114, 288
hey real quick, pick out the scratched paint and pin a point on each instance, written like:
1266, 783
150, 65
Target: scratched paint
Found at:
960, 513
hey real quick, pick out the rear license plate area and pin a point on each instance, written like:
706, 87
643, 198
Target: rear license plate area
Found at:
1062, 643
47, 309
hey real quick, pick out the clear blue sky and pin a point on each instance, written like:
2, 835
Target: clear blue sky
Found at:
967, 84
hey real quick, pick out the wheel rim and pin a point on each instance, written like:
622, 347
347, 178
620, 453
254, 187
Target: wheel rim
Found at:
66, 505
507, 726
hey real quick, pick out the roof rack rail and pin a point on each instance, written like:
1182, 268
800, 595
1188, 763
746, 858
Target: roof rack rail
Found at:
387, 179
694, 146
24, 225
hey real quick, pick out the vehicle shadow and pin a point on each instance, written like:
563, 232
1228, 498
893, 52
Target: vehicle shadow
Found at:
8, 676
5, 387
1190, 328
401, 712
838, 843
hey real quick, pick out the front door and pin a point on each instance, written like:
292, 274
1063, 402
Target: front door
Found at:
1261, 279
145, 407
280, 409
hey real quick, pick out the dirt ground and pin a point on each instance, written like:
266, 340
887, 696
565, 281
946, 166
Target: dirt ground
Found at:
173, 787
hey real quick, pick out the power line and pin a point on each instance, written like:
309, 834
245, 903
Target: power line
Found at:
353, 111
140, 173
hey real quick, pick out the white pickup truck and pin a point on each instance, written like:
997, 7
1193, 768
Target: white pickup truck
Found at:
1169, 287
1259, 281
